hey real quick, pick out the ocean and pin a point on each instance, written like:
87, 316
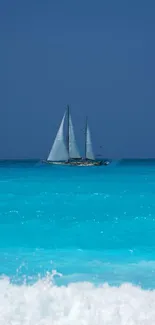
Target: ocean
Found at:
77, 244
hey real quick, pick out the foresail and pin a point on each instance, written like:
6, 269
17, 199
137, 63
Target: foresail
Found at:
59, 150
89, 149
73, 148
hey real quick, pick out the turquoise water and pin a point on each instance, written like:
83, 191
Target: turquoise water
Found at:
63, 225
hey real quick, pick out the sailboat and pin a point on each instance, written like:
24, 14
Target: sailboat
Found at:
67, 152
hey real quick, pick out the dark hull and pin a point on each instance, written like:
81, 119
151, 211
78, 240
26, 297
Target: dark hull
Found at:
81, 163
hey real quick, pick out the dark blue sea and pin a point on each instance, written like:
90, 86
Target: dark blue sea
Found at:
77, 244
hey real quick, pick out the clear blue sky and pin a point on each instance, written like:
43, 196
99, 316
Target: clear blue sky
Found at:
98, 56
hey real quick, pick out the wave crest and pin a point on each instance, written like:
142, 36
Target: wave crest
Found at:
44, 303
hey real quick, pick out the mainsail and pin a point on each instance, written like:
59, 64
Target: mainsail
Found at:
89, 149
59, 151
73, 148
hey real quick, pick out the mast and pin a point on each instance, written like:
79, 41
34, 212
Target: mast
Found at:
68, 113
85, 155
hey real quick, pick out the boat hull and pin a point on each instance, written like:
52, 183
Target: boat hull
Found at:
78, 163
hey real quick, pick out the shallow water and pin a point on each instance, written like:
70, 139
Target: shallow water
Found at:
63, 226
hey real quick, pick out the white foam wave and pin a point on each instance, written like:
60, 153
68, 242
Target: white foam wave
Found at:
44, 303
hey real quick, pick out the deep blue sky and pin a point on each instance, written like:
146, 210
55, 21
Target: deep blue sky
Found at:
98, 56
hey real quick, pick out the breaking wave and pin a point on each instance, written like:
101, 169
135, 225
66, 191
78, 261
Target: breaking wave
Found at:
45, 303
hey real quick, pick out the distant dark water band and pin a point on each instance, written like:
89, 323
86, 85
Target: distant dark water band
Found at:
121, 162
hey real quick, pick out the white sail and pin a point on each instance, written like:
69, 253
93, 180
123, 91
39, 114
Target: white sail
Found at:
59, 150
73, 148
89, 148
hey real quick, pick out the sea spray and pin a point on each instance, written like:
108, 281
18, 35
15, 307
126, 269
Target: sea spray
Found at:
44, 303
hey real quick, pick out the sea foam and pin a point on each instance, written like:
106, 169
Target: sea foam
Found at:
44, 303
